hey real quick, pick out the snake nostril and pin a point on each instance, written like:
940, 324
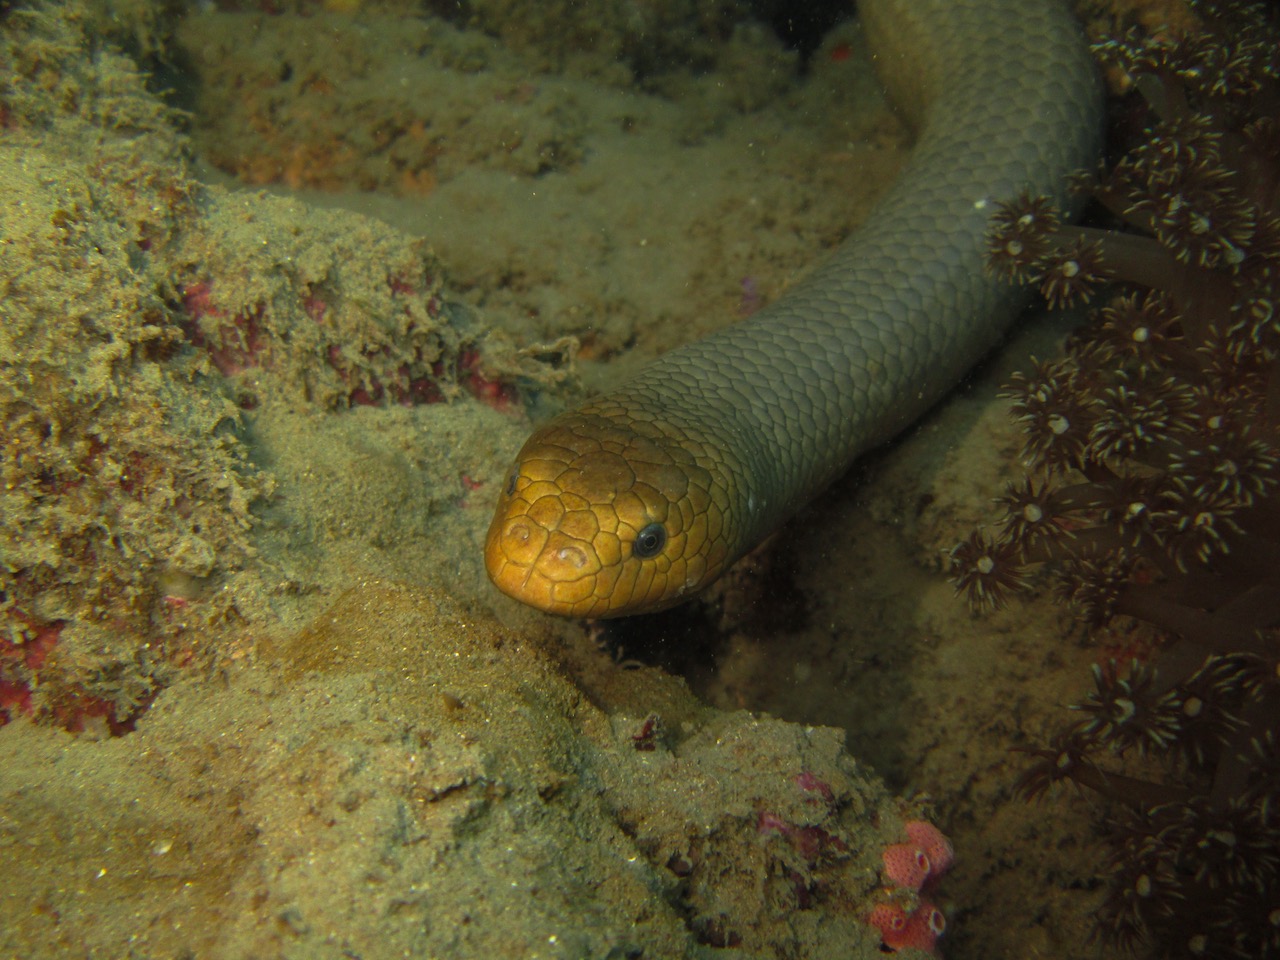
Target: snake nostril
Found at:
521, 541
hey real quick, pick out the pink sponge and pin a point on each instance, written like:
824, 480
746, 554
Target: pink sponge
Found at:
890, 919
906, 865
935, 846
919, 929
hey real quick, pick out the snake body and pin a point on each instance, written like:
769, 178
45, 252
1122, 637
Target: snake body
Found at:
643, 495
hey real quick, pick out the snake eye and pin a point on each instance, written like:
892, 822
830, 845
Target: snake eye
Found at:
511, 482
649, 541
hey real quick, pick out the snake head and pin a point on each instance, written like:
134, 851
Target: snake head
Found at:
604, 516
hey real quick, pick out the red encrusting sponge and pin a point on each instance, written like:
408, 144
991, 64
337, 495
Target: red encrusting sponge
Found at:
925, 856
906, 865
920, 928
934, 845
914, 865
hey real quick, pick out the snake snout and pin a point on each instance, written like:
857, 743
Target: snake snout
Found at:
539, 563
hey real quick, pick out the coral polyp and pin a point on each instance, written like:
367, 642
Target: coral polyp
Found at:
1153, 499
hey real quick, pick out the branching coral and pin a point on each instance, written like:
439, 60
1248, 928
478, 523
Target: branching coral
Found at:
1155, 496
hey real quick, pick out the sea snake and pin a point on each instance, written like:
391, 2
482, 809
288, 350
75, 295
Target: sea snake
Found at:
643, 495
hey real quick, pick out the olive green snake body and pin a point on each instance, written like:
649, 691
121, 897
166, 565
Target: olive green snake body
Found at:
645, 494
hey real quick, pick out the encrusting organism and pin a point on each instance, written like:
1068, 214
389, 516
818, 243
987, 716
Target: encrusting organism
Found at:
912, 869
1153, 502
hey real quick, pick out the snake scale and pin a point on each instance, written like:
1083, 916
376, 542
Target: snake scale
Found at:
643, 495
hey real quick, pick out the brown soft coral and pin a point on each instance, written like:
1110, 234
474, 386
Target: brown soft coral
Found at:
1155, 494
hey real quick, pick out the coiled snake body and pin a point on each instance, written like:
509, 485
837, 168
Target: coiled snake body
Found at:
645, 494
